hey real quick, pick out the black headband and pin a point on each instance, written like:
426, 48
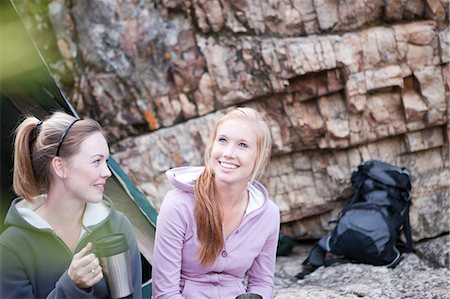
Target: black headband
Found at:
64, 135
37, 128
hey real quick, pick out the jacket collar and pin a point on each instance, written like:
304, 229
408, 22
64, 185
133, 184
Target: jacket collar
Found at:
23, 212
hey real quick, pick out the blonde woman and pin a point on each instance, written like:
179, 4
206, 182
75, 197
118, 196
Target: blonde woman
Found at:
217, 230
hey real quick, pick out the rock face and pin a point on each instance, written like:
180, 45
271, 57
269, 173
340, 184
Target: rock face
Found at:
341, 82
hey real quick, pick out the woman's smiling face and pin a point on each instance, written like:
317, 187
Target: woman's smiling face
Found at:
234, 152
88, 169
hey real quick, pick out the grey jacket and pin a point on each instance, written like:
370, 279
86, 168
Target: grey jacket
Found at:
34, 261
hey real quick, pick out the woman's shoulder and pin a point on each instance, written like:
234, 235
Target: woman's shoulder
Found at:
177, 200
272, 206
177, 207
11, 235
117, 215
117, 220
261, 192
271, 211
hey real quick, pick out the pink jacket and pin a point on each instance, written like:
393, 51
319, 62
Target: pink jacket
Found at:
246, 263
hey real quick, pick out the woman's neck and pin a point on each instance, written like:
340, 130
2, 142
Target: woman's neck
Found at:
61, 210
65, 216
234, 202
231, 196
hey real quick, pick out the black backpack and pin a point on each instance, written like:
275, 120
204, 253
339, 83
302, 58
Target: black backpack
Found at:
368, 229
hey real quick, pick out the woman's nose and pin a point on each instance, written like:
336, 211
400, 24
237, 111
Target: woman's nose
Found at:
106, 172
229, 151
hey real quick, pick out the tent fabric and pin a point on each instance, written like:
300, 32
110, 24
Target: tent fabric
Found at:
137, 196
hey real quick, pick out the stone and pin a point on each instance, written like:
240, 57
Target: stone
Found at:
436, 251
433, 92
425, 139
327, 13
412, 278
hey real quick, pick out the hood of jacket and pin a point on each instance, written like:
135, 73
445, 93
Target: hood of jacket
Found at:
183, 178
22, 213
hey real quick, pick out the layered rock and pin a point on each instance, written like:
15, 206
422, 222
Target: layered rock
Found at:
341, 82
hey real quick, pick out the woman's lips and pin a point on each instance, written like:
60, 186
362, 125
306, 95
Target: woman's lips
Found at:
228, 165
100, 187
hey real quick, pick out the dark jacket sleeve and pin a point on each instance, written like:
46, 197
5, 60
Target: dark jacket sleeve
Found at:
66, 288
14, 282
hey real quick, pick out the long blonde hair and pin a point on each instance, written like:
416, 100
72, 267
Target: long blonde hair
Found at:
207, 207
36, 143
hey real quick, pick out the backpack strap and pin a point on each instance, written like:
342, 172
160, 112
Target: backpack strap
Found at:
316, 256
407, 232
337, 261
307, 269
357, 179
315, 259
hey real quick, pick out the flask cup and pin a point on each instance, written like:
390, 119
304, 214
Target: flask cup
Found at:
112, 251
249, 296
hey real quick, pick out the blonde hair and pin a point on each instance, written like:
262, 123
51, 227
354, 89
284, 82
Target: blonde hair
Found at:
36, 144
207, 208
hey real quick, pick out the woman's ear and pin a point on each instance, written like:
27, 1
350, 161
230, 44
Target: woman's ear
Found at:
59, 167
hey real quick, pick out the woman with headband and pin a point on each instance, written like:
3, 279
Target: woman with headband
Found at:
60, 171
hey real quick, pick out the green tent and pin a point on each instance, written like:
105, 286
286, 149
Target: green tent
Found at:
28, 87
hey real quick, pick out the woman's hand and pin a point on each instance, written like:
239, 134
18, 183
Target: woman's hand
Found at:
85, 270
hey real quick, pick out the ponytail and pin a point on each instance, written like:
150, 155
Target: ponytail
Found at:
208, 217
25, 182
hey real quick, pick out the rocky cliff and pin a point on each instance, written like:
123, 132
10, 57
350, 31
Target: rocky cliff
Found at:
341, 82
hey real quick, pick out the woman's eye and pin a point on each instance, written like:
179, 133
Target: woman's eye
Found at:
97, 162
221, 140
244, 145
